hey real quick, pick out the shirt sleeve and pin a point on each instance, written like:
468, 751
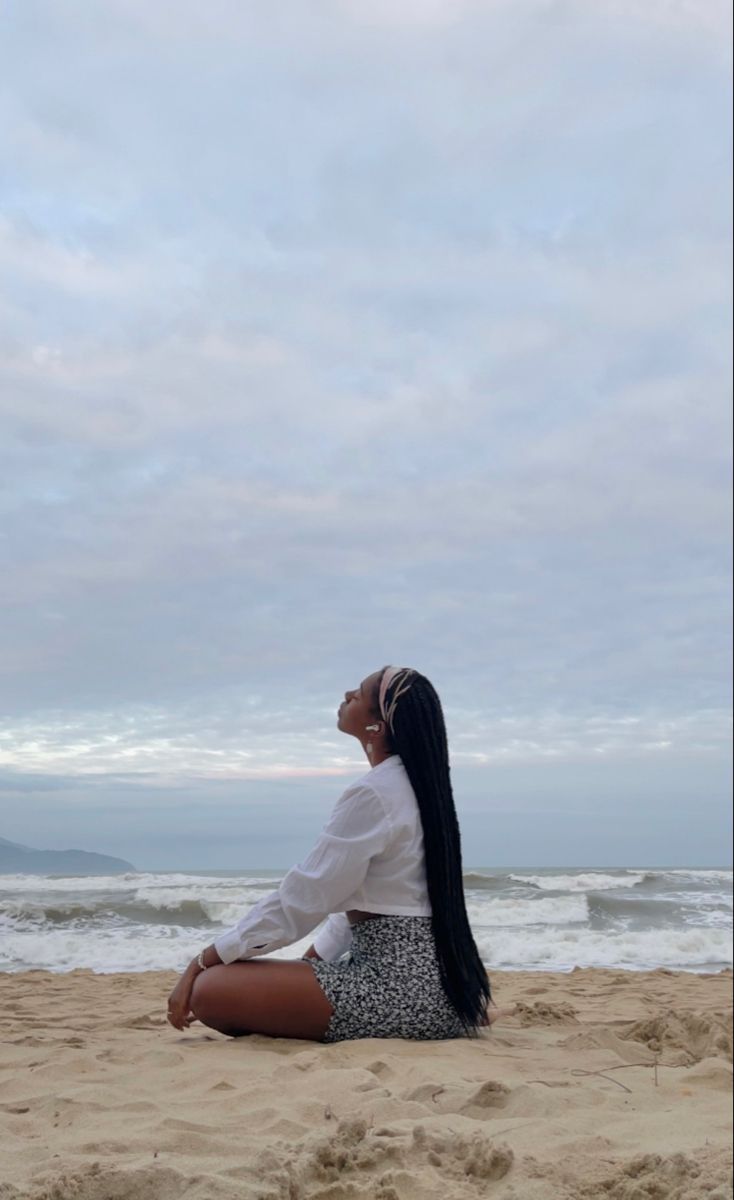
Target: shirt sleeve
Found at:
358, 829
335, 937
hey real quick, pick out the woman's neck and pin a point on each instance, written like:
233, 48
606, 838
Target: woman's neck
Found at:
379, 756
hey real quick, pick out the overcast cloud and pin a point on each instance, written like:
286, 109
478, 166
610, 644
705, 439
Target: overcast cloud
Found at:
346, 333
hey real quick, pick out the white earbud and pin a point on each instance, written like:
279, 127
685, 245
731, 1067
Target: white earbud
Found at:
373, 728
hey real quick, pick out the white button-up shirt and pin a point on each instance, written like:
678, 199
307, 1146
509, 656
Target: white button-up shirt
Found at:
369, 856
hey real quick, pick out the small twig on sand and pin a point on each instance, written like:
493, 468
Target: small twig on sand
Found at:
621, 1067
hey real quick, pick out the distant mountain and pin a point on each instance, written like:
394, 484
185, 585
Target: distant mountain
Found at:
24, 860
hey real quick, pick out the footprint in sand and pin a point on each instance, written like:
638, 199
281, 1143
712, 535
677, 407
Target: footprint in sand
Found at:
542, 1013
482, 1103
145, 1021
491, 1096
381, 1069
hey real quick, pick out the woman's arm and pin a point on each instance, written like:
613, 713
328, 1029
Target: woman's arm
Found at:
210, 958
358, 830
332, 939
179, 1001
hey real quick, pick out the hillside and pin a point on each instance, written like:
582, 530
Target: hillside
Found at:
25, 860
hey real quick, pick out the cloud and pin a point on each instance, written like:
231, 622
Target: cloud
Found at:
363, 333
232, 741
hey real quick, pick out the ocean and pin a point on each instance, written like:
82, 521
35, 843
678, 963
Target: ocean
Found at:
523, 919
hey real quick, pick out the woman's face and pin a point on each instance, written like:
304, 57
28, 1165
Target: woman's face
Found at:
355, 712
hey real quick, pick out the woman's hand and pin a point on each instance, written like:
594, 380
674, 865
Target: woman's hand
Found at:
179, 1001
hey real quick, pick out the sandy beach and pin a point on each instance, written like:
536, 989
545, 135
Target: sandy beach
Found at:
604, 1083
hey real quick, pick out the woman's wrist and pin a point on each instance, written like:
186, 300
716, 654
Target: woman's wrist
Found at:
204, 959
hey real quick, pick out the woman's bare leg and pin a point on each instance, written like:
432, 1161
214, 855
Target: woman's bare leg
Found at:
277, 998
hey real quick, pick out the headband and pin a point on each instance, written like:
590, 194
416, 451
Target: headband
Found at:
390, 675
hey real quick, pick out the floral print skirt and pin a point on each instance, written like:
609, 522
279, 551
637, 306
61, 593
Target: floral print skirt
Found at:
388, 984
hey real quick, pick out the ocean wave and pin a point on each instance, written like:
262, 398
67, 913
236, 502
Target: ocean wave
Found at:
585, 881
167, 906
645, 912
156, 948
715, 898
130, 882
634, 917
166, 910
717, 918
550, 910
478, 881
606, 908
153, 948
211, 902
703, 873
523, 950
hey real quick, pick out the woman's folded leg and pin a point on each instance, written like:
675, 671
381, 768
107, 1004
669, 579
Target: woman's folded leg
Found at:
276, 998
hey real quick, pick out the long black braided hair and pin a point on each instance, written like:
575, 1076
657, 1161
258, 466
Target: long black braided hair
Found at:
418, 735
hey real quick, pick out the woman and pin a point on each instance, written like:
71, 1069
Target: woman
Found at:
386, 871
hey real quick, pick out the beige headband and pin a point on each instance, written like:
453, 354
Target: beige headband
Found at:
389, 675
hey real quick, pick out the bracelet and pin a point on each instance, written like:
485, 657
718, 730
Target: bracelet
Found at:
200, 959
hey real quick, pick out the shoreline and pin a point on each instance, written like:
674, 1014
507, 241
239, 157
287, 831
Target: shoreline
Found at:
707, 972
602, 1082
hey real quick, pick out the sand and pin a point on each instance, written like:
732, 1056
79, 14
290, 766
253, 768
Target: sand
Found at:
603, 1084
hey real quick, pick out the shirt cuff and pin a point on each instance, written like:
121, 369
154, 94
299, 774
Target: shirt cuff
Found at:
334, 938
229, 946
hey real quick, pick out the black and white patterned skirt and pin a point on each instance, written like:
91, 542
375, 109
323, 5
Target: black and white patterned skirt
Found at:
388, 985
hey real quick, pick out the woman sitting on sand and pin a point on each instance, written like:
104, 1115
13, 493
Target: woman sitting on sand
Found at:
386, 871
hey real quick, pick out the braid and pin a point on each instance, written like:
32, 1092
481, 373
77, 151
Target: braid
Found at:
418, 735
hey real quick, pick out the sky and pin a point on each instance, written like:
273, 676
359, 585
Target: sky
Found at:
353, 333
